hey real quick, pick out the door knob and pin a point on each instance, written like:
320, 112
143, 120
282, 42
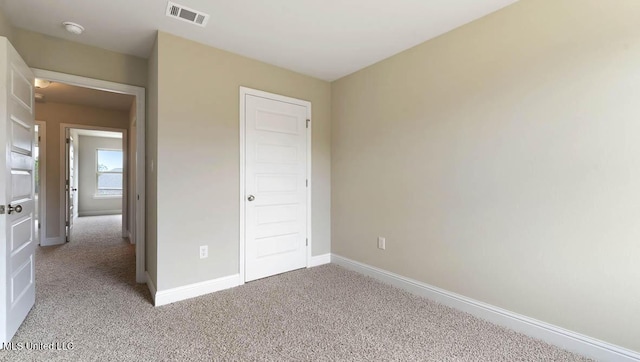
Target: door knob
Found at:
251, 198
16, 209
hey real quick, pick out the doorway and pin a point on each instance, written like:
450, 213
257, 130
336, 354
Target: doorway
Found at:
95, 175
275, 189
135, 205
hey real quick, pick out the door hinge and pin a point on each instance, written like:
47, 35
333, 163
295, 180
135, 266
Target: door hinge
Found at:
39, 226
66, 223
68, 140
138, 197
307, 182
307, 241
39, 139
308, 121
2, 211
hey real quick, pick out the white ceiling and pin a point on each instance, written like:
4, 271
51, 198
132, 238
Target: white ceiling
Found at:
327, 39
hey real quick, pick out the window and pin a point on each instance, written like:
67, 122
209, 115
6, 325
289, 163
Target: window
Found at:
109, 172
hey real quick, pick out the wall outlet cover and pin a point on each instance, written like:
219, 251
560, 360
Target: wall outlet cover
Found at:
204, 251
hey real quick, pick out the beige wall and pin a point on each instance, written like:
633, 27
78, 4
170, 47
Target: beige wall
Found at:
151, 180
54, 114
6, 29
49, 53
501, 161
198, 156
88, 204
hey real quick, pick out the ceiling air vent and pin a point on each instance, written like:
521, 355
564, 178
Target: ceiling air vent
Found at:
189, 15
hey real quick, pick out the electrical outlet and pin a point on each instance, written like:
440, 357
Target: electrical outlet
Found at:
204, 251
382, 243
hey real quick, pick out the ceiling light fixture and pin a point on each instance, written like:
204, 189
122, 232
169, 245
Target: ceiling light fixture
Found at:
42, 83
73, 28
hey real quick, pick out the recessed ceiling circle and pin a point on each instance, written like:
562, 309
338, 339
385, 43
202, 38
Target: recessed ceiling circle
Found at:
73, 28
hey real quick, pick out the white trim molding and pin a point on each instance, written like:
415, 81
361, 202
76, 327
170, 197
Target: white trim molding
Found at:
192, 290
318, 260
100, 213
152, 287
42, 176
56, 240
549, 333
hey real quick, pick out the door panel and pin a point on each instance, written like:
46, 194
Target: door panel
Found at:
21, 84
20, 180
275, 175
17, 279
21, 281
21, 135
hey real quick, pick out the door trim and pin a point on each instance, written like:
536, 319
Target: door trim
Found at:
42, 176
140, 185
244, 91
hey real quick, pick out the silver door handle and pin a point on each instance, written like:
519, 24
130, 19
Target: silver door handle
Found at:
251, 198
16, 209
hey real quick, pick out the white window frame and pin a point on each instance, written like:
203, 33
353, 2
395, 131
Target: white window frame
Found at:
96, 193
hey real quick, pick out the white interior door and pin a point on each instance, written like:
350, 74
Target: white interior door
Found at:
17, 205
275, 186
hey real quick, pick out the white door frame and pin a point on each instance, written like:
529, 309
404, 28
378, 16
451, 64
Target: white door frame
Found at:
42, 176
244, 91
139, 191
63, 172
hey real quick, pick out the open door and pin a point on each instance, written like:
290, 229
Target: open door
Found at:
17, 204
70, 189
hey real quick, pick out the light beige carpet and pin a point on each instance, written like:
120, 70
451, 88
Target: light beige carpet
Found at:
86, 295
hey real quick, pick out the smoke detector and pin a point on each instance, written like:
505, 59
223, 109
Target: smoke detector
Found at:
186, 14
73, 28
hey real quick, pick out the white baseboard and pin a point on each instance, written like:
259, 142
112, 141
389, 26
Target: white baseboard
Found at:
142, 279
549, 333
99, 213
151, 286
195, 290
318, 260
56, 240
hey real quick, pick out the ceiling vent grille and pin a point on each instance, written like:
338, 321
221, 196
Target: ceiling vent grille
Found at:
189, 15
